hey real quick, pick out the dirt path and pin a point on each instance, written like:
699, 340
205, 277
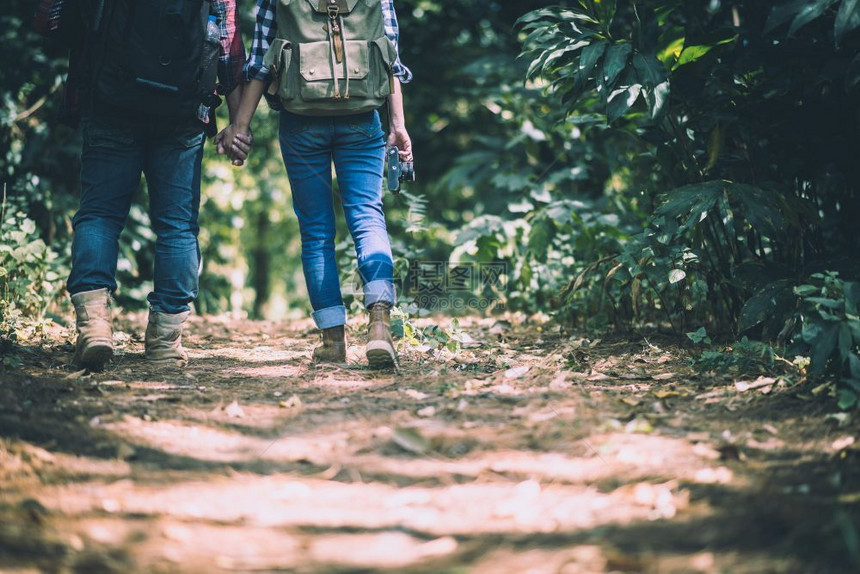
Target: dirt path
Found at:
529, 452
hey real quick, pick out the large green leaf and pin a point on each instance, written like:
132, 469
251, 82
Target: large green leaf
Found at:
847, 19
591, 54
621, 100
691, 54
762, 209
649, 70
798, 12
823, 343
693, 199
540, 238
615, 62
808, 14
761, 306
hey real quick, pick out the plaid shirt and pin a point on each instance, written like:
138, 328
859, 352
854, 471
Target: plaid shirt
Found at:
266, 31
232, 58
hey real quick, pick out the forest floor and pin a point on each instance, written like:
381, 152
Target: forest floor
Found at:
528, 451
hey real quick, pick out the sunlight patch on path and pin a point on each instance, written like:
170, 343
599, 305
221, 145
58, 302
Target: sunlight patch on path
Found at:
280, 501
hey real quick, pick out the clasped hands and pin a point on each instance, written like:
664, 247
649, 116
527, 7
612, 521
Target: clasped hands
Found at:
235, 142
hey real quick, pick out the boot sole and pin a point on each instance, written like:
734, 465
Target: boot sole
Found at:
96, 357
380, 355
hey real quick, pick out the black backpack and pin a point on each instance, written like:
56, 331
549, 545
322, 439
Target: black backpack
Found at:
153, 58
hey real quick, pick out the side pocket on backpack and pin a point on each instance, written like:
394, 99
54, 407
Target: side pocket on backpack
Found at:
278, 60
383, 56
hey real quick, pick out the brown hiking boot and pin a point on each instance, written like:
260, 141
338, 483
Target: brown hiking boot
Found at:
333, 348
380, 346
94, 346
164, 338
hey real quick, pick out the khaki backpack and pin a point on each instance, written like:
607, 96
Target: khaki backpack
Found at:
331, 57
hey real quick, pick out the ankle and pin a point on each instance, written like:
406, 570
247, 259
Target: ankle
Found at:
333, 335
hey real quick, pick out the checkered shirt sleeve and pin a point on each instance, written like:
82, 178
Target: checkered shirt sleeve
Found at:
232, 54
392, 30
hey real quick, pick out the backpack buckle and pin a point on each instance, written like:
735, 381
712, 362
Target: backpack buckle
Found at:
333, 8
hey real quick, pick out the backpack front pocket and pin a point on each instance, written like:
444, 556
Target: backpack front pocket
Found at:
278, 60
323, 77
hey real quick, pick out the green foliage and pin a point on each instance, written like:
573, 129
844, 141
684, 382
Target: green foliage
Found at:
430, 338
830, 332
695, 99
698, 336
28, 271
576, 51
745, 357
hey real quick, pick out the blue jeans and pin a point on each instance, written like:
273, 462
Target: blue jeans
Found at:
356, 146
113, 157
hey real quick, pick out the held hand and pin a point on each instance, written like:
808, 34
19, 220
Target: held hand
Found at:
400, 137
235, 143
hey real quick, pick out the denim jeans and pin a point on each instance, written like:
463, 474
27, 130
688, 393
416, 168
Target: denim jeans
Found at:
113, 157
356, 146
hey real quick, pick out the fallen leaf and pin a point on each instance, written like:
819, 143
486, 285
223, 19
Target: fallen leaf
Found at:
233, 410
666, 394
517, 372
842, 443
639, 425
760, 383
417, 395
663, 376
293, 402
409, 439
427, 412
124, 451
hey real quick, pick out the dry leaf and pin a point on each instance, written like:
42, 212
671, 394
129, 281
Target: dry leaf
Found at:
427, 412
409, 439
842, 443
233, 410
75, 375
517, 372
293, 402
760, 383
413, 394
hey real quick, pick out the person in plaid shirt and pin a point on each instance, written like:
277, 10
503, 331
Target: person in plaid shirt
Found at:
119, 145
356, 145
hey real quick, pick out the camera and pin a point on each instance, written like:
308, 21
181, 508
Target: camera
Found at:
398, 171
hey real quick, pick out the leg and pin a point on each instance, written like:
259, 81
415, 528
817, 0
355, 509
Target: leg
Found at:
110, 175
306, 148
111, 163
172, 166
359, 155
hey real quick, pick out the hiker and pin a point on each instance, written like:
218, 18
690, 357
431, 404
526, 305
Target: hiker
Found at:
328, 66
143, 77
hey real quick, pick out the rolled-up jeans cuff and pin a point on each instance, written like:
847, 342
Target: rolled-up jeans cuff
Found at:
330, 317
379, 290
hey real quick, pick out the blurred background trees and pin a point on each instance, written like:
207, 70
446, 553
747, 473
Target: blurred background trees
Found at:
675, 165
